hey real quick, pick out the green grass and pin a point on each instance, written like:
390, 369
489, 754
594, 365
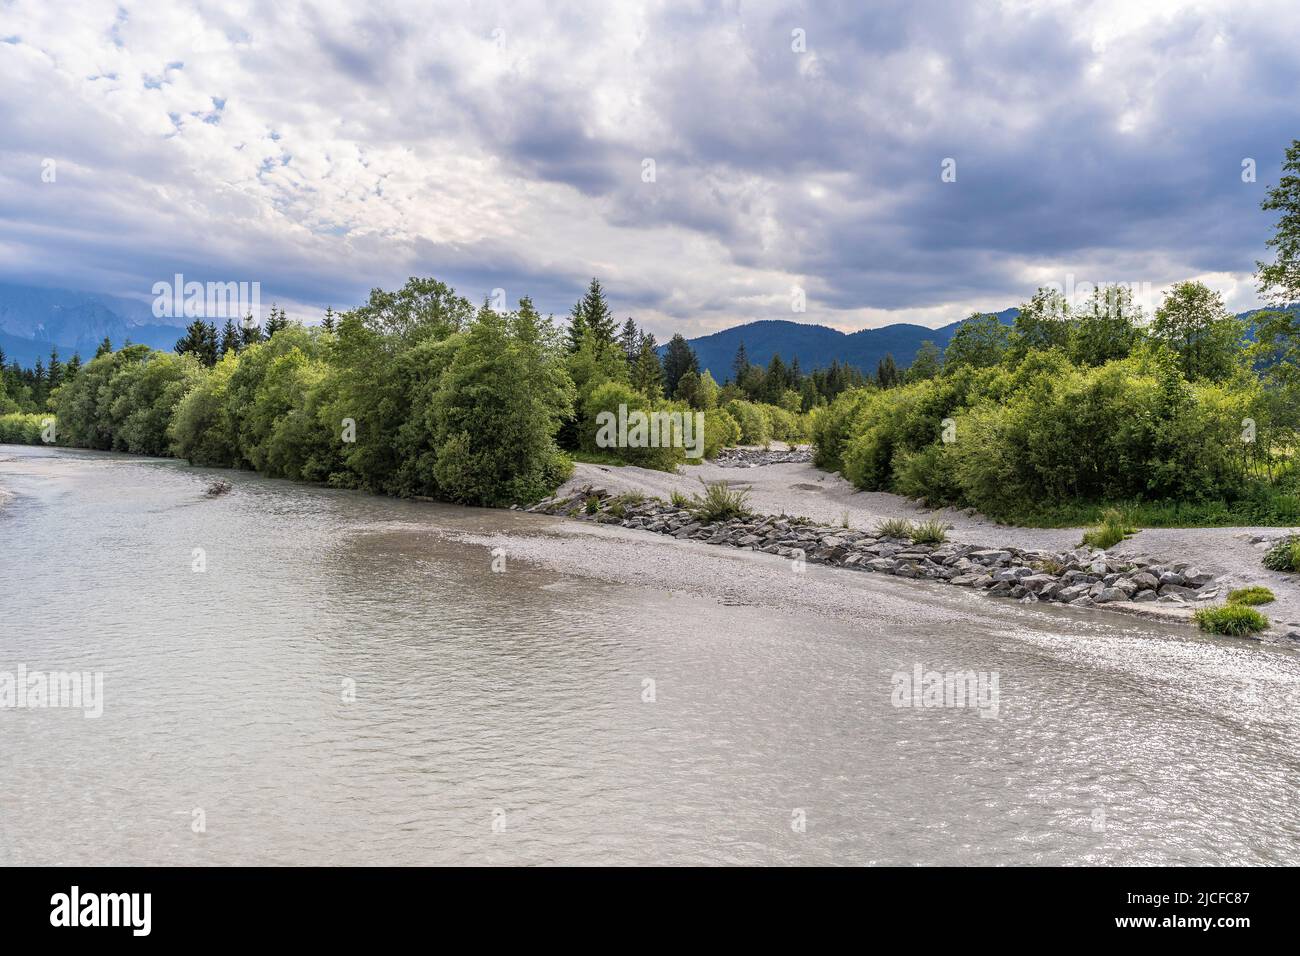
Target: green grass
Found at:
1284, 556
1115, 526
930, 532
1263, 507
1232, 619
1255, 594
894, 528
679, 501
720, 502
593, 505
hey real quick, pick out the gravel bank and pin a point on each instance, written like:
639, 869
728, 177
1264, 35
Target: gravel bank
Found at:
799, 489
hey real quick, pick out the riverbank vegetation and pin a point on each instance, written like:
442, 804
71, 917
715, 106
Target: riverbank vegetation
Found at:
415, 393
1192, 418
1234, 620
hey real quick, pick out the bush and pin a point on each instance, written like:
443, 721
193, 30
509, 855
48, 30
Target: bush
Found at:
720, 431
598, 435
1284, 555
895, 528
23, 429
755, 425
720, 502
930, 532
1113, 529
1256, 594
1232, 619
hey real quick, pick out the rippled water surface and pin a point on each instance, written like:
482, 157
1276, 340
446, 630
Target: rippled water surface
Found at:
517, 699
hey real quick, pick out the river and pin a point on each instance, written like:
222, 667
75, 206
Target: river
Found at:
303, 675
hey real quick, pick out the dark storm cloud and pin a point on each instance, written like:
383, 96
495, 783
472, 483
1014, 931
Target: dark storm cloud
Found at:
504, 146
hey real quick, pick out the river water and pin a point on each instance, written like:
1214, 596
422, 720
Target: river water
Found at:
339, 678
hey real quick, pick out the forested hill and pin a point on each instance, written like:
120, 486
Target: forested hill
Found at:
816, 346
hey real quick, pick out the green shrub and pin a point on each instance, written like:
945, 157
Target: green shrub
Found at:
1255, 594
1284, 555
679, 501
593, 505
895, 528
755, 425
930, 532
720, 502
23, 429
1113, 529
1233, 619
599, 430
720, 431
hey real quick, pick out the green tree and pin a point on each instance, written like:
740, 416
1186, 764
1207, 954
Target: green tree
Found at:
592, 316
1106, 328
926, 364
104, 347
1042, 323
1279, 280
679, 358
979, 342
497, 409
629, 341
1206, 337
276, 320
200, 340
887, 374
230, 339
647, 372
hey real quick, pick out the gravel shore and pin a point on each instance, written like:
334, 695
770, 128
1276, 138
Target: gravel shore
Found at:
799, 489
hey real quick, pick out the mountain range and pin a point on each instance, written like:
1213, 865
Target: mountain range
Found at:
34, 320
816, 346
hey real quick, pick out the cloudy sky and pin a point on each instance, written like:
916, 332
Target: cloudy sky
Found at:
324, 148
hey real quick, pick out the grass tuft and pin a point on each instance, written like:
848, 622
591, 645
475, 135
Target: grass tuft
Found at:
894, 528
720, 502
1114, 528
1232, 619
930, 532
1255, 594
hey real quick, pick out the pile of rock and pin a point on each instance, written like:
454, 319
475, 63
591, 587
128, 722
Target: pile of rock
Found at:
754, 457
1079, 578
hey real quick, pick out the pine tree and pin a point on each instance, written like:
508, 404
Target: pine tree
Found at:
597, 316
678, 360
39, 391
577, 326
887, 372
250, 332
104, 347
647, 373
740, 366
276, 321
54, 376
73, 367
200, 340
328, 322
630, 341
230, 340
